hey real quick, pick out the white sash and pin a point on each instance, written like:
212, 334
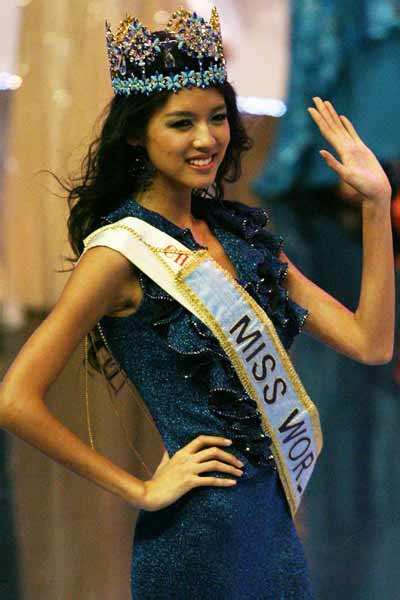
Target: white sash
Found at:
243, 330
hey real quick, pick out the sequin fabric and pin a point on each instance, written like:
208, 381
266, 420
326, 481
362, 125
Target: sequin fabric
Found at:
213, 543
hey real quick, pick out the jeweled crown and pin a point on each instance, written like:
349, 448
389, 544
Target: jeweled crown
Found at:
188, 53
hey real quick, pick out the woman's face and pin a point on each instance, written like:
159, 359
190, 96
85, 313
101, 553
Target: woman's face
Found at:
187, 138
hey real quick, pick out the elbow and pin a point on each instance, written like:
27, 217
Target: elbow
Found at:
7, 408
16, 405
379, 357
4, 407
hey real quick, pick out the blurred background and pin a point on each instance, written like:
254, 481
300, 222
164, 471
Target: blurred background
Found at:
61, 537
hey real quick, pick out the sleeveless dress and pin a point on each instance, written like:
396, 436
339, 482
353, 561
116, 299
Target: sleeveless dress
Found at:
213, 543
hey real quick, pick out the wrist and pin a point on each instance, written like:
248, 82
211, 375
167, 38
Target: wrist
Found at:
145, 500
377, 206
133, 490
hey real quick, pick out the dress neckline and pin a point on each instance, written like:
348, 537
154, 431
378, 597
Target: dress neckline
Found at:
198, 210
203, 208
252, 249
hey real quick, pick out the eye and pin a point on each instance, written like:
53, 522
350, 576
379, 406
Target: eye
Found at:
220, 117
182, 124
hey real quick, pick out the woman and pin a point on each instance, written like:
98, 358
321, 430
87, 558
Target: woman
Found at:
171, 137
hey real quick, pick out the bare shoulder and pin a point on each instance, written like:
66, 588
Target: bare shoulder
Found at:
113, 276
93, 289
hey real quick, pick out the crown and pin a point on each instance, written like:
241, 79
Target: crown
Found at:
188, 53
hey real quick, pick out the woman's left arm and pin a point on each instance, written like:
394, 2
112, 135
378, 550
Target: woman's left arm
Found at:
366, 335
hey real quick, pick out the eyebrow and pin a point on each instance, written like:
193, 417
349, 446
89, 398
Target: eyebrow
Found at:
186, 113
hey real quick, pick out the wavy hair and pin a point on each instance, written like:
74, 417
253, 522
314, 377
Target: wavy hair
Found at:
106, 176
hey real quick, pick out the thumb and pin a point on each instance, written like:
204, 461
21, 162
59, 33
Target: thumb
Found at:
332, 162
164, 461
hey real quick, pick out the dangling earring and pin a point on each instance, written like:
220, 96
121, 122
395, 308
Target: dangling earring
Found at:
142, 169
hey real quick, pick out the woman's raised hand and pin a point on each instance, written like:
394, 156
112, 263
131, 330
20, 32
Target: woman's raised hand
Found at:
358, 166
179, 474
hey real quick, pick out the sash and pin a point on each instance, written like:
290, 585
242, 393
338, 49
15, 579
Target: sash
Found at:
244, 331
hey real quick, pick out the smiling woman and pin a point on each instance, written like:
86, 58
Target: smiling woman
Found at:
184, 292
186, 141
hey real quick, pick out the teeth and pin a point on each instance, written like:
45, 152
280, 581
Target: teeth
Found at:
201, 162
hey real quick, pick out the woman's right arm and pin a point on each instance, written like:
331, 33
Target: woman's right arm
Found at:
91, 291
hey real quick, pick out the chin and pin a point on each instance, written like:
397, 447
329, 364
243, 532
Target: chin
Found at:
202, 182
199, 181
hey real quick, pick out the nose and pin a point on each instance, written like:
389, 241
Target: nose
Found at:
204, 138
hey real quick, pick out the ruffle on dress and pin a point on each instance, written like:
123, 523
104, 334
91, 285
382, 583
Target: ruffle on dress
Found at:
201, 357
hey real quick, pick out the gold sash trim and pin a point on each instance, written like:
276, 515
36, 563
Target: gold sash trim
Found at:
172, 270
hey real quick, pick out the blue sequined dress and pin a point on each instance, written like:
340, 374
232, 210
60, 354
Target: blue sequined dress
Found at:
213, 543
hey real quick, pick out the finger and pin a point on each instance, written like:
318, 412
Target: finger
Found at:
324, 112
338, 123
214, 481
333, 163
210, 452
329, 134
201, 440
216, 465
350, 129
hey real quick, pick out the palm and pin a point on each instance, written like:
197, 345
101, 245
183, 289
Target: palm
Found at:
358, 168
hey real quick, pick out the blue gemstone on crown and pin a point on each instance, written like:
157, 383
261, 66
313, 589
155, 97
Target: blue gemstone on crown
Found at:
158, 83
138, 57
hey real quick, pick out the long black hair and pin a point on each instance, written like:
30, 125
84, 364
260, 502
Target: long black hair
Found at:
106, 170
106, 175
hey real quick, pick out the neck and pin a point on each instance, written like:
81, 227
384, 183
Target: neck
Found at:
172, 203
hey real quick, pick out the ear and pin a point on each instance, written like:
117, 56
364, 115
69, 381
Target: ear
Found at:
138, 140
132, 141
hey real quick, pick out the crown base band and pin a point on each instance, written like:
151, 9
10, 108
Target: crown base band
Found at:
172, 83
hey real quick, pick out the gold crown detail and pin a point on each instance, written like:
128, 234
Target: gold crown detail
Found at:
142, 61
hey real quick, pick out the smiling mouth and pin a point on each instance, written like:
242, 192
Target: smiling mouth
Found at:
202, 163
